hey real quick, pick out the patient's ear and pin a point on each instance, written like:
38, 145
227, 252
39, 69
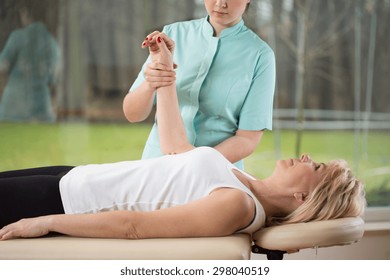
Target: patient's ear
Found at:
300, 196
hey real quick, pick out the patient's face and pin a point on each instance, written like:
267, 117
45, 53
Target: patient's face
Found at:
299, 175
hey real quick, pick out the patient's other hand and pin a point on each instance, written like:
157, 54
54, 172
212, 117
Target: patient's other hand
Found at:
33, 227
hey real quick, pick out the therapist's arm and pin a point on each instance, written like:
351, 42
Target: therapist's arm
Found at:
241, 145
138, 103
244, 142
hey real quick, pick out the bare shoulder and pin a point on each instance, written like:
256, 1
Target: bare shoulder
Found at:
235, 202
232, 194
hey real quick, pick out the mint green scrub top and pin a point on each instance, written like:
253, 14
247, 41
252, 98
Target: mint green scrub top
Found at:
223, 83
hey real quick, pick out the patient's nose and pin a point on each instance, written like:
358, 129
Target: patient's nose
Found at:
305, 158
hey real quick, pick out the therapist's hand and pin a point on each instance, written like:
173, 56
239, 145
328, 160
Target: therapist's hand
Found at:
159, 73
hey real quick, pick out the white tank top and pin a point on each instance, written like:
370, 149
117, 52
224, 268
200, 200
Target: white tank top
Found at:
152, 184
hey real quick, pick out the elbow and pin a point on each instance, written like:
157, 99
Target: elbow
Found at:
132, 118
250, 140
251, 147
136, 109
131, 233
176, 149
131, 227
126, 108
169, 150
131, 114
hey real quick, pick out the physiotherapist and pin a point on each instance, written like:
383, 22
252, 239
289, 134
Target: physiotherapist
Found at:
225, 81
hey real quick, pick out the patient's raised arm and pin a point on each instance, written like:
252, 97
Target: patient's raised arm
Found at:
172, 134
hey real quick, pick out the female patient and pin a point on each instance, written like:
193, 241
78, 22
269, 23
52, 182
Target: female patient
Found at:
189, 192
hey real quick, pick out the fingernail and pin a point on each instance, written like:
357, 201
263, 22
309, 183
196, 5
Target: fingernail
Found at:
159, 39
146, 38
144, 44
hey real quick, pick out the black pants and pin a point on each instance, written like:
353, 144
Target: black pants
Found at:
30, 193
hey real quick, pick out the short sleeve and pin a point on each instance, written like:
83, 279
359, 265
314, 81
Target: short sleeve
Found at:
140, 77
257, 110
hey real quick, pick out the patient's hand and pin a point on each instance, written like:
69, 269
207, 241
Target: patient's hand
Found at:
157, 53
151, 42
33, 227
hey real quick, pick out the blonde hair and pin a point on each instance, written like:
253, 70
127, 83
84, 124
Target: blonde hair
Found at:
339, 194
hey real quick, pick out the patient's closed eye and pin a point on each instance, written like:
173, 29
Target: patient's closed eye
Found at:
318, 166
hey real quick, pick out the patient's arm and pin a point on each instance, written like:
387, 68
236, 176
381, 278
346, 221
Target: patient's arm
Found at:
172, 134
221, 213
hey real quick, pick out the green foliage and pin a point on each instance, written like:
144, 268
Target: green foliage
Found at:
26, 145
380, 195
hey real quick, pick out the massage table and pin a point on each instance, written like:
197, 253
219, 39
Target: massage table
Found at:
272, 241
